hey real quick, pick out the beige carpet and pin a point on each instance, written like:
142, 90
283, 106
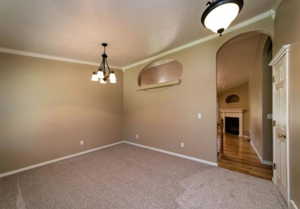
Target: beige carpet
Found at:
127, 177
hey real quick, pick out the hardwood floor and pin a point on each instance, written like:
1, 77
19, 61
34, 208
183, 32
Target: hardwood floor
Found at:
238, 155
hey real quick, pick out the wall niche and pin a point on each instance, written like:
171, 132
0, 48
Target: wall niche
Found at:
233, 98
162, 73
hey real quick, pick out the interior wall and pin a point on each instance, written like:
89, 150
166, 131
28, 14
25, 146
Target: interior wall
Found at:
287, 31
48, 106
259, 82
267, 91
243, 92
165, 117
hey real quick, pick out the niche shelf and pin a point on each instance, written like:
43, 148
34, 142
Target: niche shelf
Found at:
160, 74
159, 85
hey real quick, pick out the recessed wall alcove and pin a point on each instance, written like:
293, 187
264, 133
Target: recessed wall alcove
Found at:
162, 73
233, 98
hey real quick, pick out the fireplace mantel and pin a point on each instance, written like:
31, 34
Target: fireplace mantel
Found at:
233, 113
232, 110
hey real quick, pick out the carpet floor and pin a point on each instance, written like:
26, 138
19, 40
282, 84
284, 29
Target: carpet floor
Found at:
128, 177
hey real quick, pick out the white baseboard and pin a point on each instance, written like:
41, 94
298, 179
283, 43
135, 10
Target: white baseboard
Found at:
172, 153
256, 151
265, 162
293, 205
9, 173
57, 159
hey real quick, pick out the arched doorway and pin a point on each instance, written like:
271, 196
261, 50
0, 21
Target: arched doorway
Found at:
244, 90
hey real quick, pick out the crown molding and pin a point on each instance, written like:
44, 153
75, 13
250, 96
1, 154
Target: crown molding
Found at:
270, 13
50, 57
277, 4
284, 49
293, 205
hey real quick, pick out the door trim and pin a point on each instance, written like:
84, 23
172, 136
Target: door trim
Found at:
293, 205
284, 51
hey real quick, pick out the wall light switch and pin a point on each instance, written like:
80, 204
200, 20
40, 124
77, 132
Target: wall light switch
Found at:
81, 142
182, 144
199, 116
137, 136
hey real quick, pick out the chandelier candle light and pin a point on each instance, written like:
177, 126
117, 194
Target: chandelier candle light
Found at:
104, 74
220, 14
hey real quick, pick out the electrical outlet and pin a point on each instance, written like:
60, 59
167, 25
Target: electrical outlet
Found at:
137, 136
182, 144
81, 142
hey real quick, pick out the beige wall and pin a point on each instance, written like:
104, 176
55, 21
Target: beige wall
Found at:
287, 19
243, 92
287, 31
47, 107
260, 84
165, 117
267, 106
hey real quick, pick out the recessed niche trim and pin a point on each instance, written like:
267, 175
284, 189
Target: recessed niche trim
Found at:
161, 85
232, 98
161, 72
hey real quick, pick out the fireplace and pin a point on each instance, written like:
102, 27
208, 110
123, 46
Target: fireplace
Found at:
234, 118
232, 125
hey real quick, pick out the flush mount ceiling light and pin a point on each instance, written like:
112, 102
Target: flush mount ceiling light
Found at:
220, 14
104, 74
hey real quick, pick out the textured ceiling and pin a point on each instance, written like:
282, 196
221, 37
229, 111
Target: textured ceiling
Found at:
135, 29
236, 59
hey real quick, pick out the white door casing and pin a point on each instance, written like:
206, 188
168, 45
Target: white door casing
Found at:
281, 122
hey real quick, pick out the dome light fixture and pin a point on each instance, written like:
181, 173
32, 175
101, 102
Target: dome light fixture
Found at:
104, 74
220, 14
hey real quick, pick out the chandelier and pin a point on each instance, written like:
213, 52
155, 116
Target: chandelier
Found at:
104, 73
220, 14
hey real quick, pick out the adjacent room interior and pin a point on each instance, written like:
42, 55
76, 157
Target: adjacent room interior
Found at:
149, 104
244, 89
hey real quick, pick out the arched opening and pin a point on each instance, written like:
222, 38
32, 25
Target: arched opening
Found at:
244, 90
